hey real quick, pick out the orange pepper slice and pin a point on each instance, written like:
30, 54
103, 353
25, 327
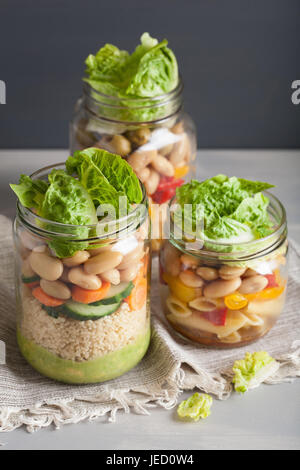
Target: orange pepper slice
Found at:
235, 301
266, 294
181, 171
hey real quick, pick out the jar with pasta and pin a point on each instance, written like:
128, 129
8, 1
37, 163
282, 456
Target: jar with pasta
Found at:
82, 279
223, 272
132, 105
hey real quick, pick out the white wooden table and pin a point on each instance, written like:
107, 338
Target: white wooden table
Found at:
268, 418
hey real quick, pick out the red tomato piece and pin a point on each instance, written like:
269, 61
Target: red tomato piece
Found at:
272, 282
166, 189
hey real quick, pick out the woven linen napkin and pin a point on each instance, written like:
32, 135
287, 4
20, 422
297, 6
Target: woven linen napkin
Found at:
170, 366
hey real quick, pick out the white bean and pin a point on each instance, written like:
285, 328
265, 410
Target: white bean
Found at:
253, 284
228, 272
207, 273
56, 289
46, 266
77, 259
190, 279
179, 151
144, 174
189, 261
121, 145
87, 281
112, 276
132, 257
152, 182
221, 288
140, 159
163, 166
103, 262
129, 274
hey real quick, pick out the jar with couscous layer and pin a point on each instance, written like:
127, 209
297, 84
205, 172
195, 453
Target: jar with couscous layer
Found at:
154, 135
216, 296
82, 318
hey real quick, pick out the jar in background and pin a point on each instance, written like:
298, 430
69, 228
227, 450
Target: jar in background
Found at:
222, 297
63, 331
155, 136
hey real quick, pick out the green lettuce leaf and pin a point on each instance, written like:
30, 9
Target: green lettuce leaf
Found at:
253, 370
195, 407
155, 69
66, 201
105, 176
150, 71
30, 192
230, 208
63, 200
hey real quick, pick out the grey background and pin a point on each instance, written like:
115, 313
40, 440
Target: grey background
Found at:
238, 59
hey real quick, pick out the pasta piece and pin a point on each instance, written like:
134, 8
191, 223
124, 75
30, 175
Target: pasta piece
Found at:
271, 307
178, 308
253, 320
233, 338
203, 304
234, 321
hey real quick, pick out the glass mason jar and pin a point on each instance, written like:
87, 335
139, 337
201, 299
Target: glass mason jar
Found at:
62, 331
154, 134
225, 297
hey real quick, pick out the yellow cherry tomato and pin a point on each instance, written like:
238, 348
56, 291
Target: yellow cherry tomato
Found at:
181, 171
266, 294
235, 301
181, 291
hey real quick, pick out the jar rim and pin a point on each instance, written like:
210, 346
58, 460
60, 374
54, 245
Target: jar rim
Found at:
169, 95
265, 244
132, 110
37, 223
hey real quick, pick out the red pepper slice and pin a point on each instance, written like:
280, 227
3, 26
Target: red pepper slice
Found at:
167, 182
272, 282
217, 317
166, 189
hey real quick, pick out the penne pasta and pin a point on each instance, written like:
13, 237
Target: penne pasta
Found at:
178, 308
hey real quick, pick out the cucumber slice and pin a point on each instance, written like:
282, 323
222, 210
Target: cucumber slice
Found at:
83, 312
29, 280
116, 294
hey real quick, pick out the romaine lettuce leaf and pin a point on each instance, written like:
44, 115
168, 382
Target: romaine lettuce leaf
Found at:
253, 370
155, 70
30, 192
92, 179
105, 176
151, 70
106, 68
231, 208
63, 200
66, 201
195, 407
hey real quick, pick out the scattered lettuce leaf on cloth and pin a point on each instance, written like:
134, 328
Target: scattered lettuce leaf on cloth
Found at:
253, 370
196, 407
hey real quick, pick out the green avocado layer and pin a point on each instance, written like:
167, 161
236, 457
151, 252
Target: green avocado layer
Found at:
104, 368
